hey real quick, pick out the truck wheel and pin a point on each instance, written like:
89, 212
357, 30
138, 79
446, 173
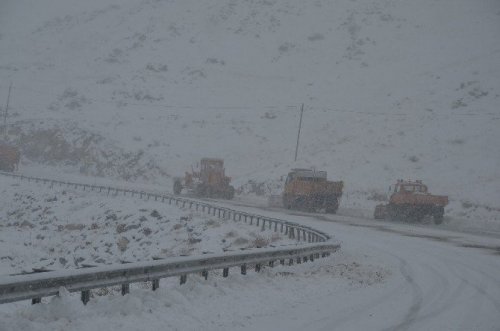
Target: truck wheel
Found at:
177, 187
286, 202
333, 206
438, 215
229, 194
200, 191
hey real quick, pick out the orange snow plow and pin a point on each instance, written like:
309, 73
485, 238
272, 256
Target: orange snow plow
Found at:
209, 182
306, 189
411, 200
9, 158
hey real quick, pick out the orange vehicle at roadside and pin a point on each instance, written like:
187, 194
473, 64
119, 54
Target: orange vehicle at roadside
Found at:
209, 182
9, 158
410, 200
309, 190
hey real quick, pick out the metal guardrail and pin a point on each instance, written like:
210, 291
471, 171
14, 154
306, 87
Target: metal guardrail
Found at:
48, 283
314, 244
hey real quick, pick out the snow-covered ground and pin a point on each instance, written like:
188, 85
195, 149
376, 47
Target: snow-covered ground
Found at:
57, 228
140, 90
137, 91
386, 277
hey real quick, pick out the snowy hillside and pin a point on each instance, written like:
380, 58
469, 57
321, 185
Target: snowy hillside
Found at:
139, 90
56, 228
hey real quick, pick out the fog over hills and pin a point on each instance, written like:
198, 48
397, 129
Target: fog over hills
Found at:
140, 90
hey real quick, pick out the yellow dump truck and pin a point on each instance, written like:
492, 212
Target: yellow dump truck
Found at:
309, 190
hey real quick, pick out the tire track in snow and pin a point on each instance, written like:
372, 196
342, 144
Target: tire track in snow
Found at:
417, 297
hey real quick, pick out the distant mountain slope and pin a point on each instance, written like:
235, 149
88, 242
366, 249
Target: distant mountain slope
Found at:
140, 90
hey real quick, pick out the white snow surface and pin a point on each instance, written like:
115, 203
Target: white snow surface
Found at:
60, 228
386, 277
140, 90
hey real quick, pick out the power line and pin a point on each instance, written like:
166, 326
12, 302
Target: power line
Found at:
274, 108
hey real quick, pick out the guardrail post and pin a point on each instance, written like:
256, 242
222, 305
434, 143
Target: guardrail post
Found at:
311, 258
34, 301
251, 220
125, 289
155, 284
304, 258
299, 260
275, 226
257, 267
85, 296
281, 228
204, 274
225, 272
183, 279
263, 225
271, 264
290, 262
243, 269
258, 221
282, 262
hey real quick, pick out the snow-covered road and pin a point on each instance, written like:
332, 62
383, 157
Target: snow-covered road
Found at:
441, 280
388, 276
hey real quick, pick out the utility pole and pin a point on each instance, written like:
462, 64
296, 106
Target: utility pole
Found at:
6, 112
298, 134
